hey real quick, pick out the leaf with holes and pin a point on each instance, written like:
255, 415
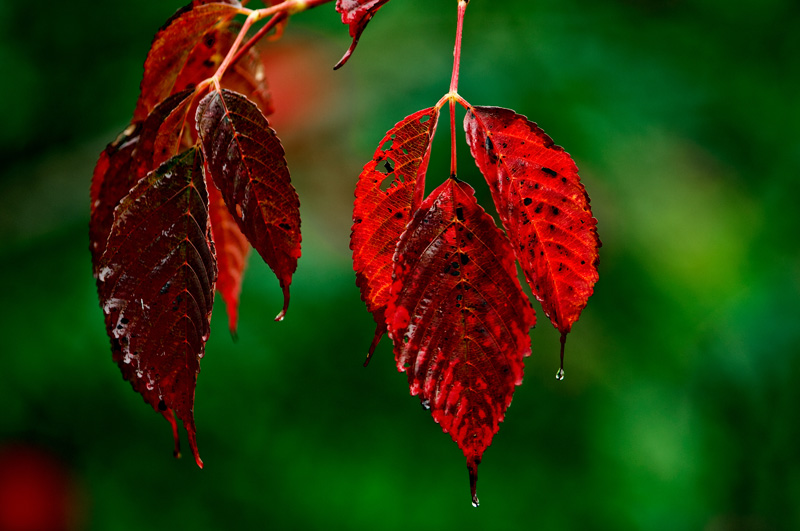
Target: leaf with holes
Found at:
389, 189
171, 48
356, 14
246, 161
156, 285
232, 251
458, 318
112, 179
543, 206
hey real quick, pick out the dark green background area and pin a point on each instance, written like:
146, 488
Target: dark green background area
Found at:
680, 405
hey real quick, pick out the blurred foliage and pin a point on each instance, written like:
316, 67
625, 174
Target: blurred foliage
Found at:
680, 406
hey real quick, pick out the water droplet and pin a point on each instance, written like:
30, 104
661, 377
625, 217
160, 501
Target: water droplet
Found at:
560, 374
475, 501
426, 403
149, 386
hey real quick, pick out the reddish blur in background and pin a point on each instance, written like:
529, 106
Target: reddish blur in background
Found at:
38, 492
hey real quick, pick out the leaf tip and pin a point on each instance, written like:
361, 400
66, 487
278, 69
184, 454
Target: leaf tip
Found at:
560, 373
193, 444
346, 56
280, 316
170, 416
379, 331
472, 467
233, 319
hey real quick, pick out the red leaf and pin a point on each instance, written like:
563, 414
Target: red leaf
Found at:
171, 48
246, 161
543, 206
112, 180
356, 14
161, 134
156, 285
389, 188
232, 250
458, 317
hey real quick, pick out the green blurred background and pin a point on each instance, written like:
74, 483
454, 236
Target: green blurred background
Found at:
680, 405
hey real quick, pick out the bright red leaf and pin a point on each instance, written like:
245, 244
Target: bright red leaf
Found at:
458, 318
112, 180
246, 161
156, 286
543, 206
232, 251
171, 48
389, 188
356, 14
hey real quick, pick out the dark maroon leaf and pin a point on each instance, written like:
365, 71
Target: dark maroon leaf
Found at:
543, 206
389, 188
356, 14
171, 48
156, 284
112, 180
246, 161
458, 318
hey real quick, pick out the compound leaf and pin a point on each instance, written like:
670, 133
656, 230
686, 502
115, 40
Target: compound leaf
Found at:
458, 318
389, 189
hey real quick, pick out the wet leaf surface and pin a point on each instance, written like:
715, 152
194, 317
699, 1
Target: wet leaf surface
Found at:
458, 318
543, 206
156, 284
246, 161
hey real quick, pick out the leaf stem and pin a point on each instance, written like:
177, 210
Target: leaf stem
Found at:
251, 18
271, 23
462, 7
453, 94
278, 12
452, 138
